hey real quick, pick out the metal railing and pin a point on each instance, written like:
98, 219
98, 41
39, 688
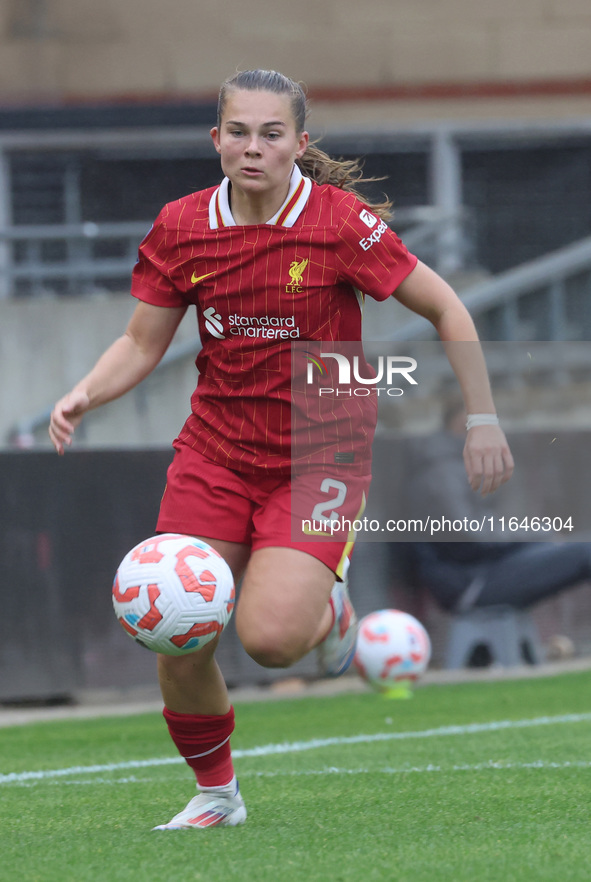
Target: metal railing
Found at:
544, 299
69, 258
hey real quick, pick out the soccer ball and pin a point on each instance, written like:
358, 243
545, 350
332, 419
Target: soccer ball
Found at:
393, 648
173, 593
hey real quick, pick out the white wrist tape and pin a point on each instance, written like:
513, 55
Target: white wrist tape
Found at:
481, 419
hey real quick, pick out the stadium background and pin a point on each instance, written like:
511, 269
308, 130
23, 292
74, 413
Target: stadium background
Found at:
479, 114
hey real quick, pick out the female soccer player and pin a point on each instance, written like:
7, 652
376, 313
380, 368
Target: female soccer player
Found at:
278, 252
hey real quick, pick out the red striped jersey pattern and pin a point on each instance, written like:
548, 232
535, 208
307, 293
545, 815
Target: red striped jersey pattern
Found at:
257, 289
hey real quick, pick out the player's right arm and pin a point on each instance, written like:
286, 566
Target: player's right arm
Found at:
121, 367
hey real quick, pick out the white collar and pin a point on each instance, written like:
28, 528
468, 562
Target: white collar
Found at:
220, 214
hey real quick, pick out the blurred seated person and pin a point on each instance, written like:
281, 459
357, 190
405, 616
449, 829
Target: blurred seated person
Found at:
465, 574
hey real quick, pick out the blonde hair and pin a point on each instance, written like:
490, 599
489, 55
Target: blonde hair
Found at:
315, 163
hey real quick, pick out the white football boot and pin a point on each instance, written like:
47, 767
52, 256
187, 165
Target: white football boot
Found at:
210, 808
336, 651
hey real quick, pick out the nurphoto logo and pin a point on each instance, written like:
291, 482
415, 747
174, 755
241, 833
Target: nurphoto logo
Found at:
390, 369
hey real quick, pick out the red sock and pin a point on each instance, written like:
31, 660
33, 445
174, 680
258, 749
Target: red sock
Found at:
204, 742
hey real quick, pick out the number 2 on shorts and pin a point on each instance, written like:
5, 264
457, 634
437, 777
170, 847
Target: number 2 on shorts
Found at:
321, 511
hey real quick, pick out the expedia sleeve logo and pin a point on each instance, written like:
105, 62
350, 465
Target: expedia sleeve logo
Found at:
374, 237
368, 218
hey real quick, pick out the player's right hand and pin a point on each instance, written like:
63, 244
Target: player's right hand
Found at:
487, 458
65, 417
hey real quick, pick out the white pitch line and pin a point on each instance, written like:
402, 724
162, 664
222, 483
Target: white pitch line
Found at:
301, 746
490, 765
495, 765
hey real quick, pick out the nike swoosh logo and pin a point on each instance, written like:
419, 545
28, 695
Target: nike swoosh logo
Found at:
195, 279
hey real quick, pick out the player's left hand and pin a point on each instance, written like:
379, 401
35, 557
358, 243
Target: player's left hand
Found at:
487, 458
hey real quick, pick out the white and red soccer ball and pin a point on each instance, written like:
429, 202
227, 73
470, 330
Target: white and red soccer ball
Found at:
392, 648
173, 593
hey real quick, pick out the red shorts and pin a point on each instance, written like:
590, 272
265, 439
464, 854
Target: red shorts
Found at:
312, 513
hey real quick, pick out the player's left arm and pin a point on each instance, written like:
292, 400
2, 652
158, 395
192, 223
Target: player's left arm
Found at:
487, 455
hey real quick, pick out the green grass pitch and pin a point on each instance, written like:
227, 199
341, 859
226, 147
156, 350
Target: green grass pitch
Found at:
479, 781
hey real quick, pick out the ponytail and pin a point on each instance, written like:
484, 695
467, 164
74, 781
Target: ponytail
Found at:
342, 173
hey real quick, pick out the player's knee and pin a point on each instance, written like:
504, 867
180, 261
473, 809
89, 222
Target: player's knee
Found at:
272, 649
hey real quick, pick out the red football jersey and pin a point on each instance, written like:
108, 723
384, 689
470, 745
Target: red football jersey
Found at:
257, 289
